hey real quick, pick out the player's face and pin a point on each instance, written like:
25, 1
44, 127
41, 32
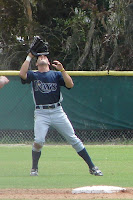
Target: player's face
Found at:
42, 60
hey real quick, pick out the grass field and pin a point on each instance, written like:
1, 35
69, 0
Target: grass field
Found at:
61, 167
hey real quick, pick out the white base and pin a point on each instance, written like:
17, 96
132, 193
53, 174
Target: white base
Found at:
97, 189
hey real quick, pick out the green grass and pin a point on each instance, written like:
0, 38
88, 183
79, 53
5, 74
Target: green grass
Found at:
61, 167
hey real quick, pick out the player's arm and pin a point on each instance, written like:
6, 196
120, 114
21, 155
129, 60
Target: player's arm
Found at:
67, 79
25, 67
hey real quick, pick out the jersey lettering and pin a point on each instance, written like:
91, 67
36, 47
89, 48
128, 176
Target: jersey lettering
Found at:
45, 87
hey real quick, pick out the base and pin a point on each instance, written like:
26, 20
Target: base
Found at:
97, 189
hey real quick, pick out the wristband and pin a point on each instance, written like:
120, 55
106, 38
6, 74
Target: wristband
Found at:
62, 70
28, 58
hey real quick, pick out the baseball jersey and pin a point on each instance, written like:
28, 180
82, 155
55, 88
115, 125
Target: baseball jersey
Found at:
45, 86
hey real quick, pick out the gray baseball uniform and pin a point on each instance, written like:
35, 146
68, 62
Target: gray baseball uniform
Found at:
46, 92
49, 112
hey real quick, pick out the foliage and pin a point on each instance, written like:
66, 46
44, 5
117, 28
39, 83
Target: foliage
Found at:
84, 35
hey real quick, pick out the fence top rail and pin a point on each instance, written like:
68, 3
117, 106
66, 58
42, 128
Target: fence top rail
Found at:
77, 73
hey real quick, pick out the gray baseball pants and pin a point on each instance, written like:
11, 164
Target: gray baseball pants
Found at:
56, 118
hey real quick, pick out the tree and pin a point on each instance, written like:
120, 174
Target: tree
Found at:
83, 34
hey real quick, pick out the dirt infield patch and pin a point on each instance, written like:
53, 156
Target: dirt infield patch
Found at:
48, 194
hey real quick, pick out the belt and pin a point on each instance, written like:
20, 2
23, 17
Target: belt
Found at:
48, 106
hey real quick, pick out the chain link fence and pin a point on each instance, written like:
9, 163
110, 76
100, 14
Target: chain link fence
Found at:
53, 137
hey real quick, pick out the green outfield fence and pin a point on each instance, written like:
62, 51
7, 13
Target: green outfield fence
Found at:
100, 107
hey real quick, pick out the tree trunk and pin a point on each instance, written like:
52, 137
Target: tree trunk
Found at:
87, 45
28, 12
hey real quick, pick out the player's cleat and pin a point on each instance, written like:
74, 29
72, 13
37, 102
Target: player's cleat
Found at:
95, 171
34, 172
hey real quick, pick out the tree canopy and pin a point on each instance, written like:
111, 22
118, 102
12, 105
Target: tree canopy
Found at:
83, 34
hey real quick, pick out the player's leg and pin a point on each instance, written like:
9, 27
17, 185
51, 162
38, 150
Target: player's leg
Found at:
64, 127
36, 153
41, 125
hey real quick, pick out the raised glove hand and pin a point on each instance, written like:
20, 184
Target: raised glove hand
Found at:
38, 47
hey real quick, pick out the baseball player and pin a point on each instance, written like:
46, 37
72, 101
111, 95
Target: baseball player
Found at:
47, 97
3, 81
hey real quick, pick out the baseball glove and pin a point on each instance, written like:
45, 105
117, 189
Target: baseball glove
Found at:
38, 47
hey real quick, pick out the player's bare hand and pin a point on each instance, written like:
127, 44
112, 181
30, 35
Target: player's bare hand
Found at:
3, 81
57, 65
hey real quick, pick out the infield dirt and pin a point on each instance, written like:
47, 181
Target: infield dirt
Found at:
49, 194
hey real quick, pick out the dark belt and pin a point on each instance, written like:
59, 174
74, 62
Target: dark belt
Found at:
48, 107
